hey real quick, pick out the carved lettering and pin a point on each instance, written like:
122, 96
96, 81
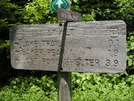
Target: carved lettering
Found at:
116, 62
49, 32
113, 63
113, 52
17, 60
30, 60
113, 43
114, 32
32, 51
80, 62
54, 52
17, 51
97, 61
51, 43
50, 60
93, 62
30, 43
86, 46
16, 43
75, 17
110, 42
107, 62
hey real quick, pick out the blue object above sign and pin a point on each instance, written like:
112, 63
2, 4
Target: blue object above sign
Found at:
59, 4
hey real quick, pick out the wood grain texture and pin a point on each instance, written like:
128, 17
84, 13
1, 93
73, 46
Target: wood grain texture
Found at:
97, 46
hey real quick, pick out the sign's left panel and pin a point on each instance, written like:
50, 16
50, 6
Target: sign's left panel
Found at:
35, 47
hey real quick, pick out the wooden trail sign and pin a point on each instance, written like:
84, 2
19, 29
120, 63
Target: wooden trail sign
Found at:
67, 15
98, 46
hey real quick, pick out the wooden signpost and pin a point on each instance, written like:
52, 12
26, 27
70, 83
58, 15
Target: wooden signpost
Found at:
97, 46
67, 15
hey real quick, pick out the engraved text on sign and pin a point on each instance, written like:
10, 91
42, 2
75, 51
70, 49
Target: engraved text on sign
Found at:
98, 46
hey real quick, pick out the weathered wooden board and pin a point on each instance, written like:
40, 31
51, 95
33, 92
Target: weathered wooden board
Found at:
98, 46
67, 15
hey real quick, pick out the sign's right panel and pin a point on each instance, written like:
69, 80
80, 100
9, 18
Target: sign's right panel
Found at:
98, 46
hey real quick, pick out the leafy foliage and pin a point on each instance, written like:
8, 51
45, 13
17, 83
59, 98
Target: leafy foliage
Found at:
30, 89
38, 11
102, 87
86, 87
130, 50
10, 15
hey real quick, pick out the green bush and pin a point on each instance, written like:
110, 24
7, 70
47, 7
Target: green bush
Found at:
30, 89
130, 50
85, 87
103, 87
37, 12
